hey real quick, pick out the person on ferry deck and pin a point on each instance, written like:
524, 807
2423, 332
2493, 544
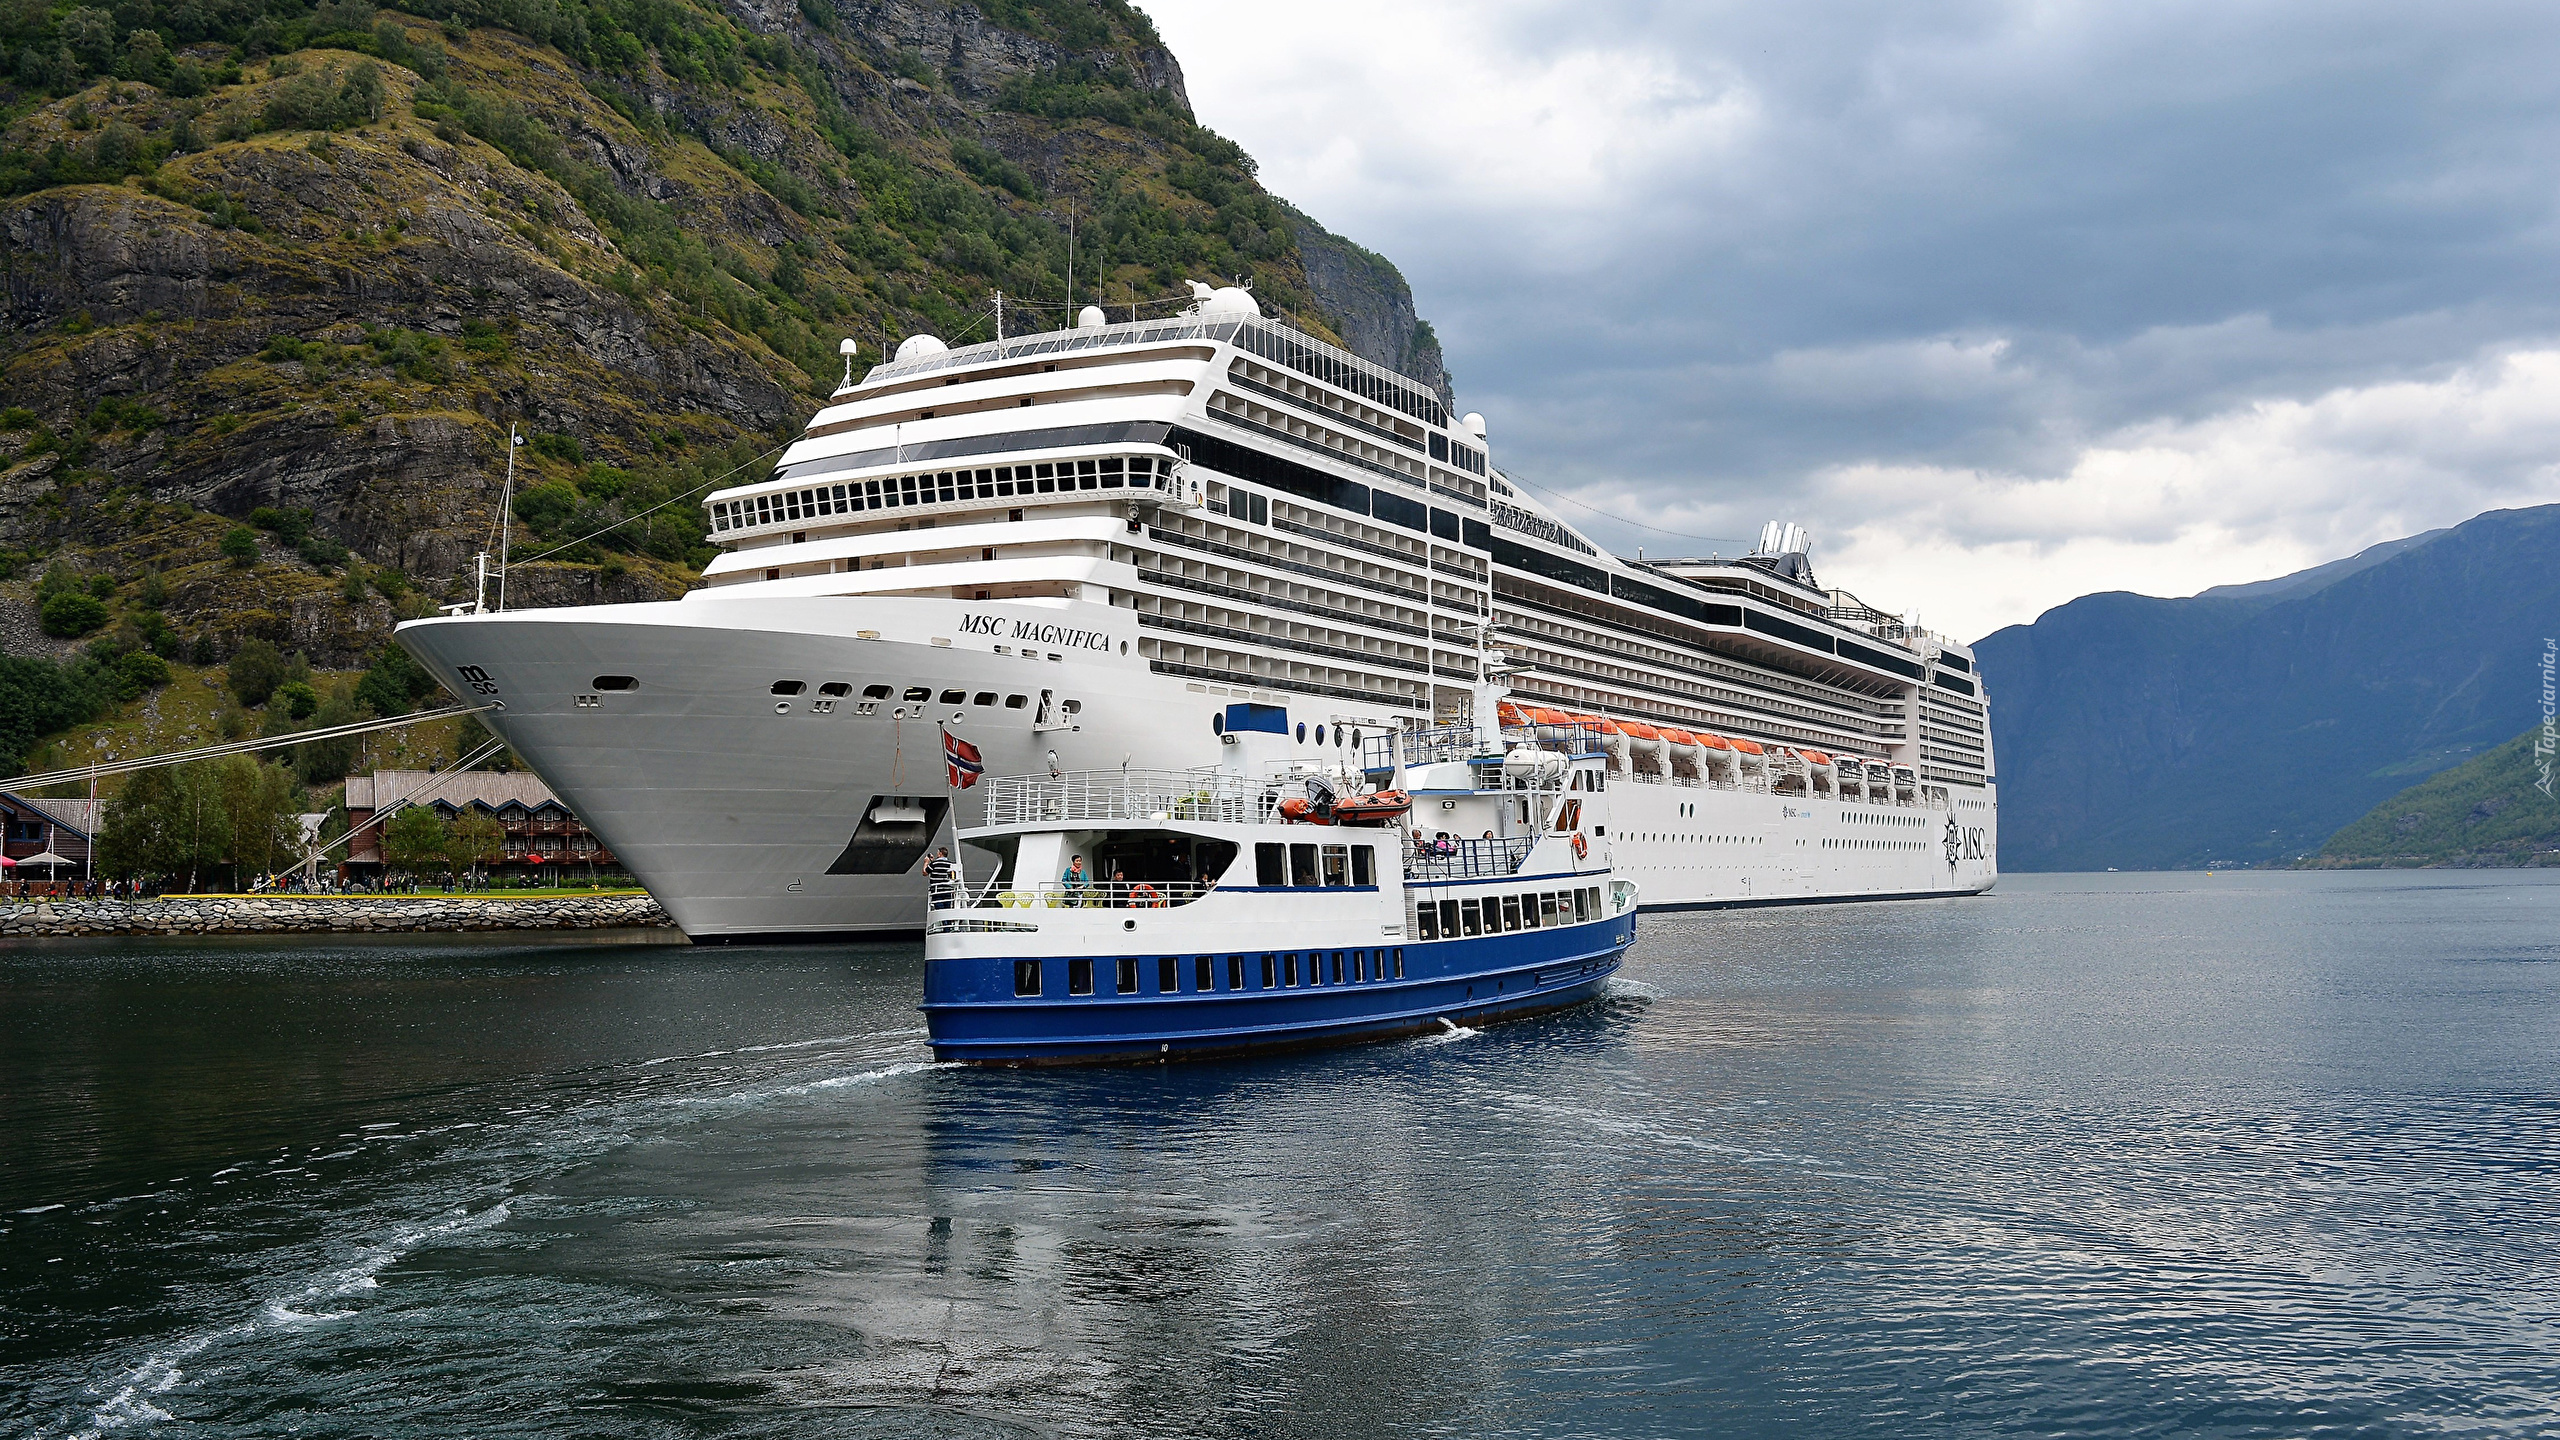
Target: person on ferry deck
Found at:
1119, 886
1074, 880
937, 874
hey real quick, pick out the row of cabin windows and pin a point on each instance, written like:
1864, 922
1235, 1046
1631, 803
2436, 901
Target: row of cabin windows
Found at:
897, 491
838, 689
1496, 914
1314, 865
1278, 970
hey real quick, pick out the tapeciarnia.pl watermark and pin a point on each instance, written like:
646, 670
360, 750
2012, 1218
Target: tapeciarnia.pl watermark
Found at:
2546, 743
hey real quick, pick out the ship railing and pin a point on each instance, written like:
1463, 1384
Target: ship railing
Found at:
1205, 795
1441, 744
1060, 895
1454, 859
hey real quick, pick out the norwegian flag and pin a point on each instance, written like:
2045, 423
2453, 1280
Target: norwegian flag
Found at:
963, 761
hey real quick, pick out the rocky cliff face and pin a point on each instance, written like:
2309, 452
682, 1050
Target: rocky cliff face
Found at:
316, 263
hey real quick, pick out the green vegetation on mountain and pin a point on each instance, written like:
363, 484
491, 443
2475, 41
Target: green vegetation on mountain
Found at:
2490, 810
279, 277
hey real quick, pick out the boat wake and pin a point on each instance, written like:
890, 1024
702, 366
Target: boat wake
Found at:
1450, 1033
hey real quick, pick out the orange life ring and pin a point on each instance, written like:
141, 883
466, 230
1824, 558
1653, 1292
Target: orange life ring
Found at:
1581, 847
1144, 897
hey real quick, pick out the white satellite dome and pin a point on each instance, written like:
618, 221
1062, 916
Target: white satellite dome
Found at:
1231, 300
916, 347
1091, 318
1473, 424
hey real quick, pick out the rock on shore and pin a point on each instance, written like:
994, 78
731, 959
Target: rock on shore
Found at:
285, 914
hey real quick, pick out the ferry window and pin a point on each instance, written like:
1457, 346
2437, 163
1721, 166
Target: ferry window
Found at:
870, 494
1510, 912
1026, 977
1319, 734
1470, 921
789, 687
1547, 908
1218, 724
836, 688
1364, 865
1169, 976
615, 682
1426, 922
1141, 464
1302, 865
837, 494
1048, 480
1111, 473
1016, 702
1302, 732
1315, 967
1126, 980
954, 697
1528, 912
1448, 919
1337, 968
1267, 971
1289, 968
1270, 863
1085, 475
945, 481
1235, 972
1580, 911
1399, 962
1203, 975
875, 692
983, 697
1079, 977
1337, 864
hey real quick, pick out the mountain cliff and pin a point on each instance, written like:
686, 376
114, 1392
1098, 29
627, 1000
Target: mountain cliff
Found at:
278, 278
2489, 810
2249, 724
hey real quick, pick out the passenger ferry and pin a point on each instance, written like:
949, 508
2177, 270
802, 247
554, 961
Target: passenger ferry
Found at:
1142, 914
1079, 548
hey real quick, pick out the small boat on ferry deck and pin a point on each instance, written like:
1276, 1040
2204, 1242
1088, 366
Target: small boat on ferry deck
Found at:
1131, 915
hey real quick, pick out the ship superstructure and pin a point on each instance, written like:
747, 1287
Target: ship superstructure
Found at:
1077, 549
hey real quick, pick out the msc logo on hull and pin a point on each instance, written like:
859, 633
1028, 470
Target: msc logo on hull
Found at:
1035, 632
1966, 842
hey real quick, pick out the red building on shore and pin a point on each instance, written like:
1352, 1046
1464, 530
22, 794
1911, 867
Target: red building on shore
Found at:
542, 836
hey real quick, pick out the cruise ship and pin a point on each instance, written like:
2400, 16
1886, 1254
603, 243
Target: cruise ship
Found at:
1075, 550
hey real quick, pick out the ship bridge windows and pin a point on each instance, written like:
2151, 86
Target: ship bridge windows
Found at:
938, 487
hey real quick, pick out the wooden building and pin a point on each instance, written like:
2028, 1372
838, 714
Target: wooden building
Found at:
31, 826
542, 836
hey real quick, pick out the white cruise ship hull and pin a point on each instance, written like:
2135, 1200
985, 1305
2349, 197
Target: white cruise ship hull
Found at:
744, 811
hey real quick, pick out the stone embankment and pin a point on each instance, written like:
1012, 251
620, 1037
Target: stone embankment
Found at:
291, 914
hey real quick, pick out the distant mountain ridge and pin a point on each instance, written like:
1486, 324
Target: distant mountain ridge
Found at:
2486, 811
2250, 723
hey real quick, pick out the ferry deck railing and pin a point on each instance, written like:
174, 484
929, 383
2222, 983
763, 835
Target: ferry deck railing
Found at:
1444, 743
1206, 795
995, 894
1466, 859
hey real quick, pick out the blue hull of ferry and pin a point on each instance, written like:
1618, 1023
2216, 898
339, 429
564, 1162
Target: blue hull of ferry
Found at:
974, 1015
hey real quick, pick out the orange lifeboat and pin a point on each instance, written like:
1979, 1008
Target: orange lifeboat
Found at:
1545, 716
1815, 757
1510, 714
1639, 730
1384, 808
1748, 747
1714, 742
1678, 737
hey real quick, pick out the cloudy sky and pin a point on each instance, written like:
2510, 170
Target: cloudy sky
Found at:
2006, 302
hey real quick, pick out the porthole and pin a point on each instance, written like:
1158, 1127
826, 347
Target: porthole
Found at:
1124, 647
918, 692
875, 692
1319, 735
1302, 732
955, 697
836, 688
616, 682
1016, 702
1217, 724
789, 687
983, 697
1072, 707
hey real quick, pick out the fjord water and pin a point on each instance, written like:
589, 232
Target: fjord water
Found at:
2240, 1155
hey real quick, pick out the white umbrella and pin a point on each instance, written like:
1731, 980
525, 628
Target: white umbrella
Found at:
47, 858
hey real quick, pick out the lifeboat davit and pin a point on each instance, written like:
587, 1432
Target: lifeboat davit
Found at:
1383, 808
1644, 743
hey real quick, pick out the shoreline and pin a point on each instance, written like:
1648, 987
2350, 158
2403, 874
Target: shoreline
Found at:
319, 914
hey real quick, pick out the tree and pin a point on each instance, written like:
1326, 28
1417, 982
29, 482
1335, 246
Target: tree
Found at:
477, 839
324, 761
71, 613
257, 668
415, 839
260, 808
185, 821
394, 683
240, 544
